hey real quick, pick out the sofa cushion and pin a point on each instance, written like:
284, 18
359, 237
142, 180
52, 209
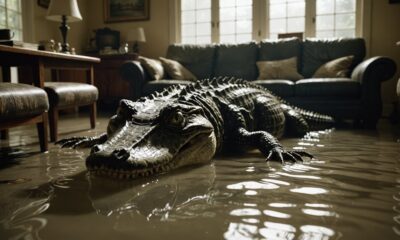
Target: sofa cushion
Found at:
176, 71
282, 88
317, 52
279, 69
339, 67
285, 48
152, 86
237, 60
198, 59
153, 67
328, 87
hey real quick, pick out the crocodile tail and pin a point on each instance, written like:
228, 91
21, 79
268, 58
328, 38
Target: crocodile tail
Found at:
316, 121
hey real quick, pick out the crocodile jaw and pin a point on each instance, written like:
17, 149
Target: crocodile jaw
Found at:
197, 150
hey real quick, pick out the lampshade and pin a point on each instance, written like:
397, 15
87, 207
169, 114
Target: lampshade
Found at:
68, 8
136, 35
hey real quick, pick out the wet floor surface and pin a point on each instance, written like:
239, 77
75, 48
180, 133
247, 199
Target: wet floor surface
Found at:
350, 191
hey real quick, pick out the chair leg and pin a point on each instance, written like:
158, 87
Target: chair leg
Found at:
93, 113
53, 123
4, 134
43, 133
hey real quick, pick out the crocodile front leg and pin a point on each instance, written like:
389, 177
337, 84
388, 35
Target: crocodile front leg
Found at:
82, 142
267, 144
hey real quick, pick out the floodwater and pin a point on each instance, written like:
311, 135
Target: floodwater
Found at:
350, 191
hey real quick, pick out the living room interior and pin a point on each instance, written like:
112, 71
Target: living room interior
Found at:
349, 189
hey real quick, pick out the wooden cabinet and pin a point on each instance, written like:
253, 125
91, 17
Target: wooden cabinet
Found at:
107, 79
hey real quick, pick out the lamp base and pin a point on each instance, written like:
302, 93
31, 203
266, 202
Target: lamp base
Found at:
64, 30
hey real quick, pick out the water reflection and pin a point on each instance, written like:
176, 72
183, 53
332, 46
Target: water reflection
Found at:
350, 192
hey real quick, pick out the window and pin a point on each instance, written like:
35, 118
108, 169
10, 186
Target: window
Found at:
335, 18
11, 17
235, 20
196, 21
232, 21
286, 16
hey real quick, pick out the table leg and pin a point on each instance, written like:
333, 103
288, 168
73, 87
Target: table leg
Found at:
6, 72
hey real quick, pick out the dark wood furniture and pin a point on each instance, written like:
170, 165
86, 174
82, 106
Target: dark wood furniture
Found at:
112, 87
38, 61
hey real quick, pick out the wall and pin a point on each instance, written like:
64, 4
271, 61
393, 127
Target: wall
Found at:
385, 32
43, 29
156, 29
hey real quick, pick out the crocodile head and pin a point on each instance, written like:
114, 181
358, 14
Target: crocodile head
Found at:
153, 140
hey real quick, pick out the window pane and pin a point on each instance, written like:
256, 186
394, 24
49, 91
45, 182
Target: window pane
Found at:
195, 21
203, 29
296, 9
295, 25
325, 6
188, 17
188, 4
203, 4
286, 16
324, 34
203, 16
244, 13
345, 21
277, 25
236, 17
243, 2
227, 3
227, 38
227, 27
188, 30
191, 40
277, 11
13, 19
243, 27
240, 38
345, 6
202, 39
2, 16
325, 22
336, 17
227, 14
345, 33
17, 35
13, 4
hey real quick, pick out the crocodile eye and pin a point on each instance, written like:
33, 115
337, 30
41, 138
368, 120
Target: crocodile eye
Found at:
177, 119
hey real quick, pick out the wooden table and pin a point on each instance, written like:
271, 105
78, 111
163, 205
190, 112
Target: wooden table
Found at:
38, 61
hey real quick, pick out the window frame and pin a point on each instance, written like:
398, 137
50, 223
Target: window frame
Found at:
261, 18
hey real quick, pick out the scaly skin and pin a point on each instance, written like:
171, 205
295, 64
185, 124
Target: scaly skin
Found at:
185, 125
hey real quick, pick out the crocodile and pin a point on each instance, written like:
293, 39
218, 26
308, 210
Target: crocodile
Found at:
188, 124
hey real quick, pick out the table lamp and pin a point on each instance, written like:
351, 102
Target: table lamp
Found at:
136, 36
64, 11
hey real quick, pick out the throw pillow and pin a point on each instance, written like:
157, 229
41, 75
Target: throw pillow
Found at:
176, 71
280, 69
339, 67
153, 67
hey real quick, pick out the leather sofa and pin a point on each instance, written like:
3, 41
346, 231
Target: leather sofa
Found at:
356, 97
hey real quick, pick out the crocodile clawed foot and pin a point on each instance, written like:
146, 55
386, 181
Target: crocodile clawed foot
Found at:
75, 142
279, 154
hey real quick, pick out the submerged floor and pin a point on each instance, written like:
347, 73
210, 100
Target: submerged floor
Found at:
350, 191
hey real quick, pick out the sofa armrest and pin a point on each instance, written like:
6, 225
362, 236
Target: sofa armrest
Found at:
377, 69
133, 72
371, 73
